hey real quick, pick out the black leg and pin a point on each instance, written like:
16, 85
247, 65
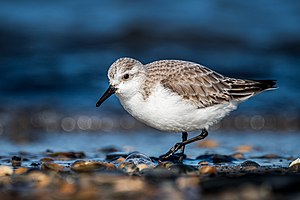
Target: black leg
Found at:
184, 138
179, 145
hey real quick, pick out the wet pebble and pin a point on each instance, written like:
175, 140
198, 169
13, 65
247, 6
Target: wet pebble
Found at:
119, 160
89, 166
51, 166
208, 170
128, 167
249, 165
142, 166
46, 159
139, 158
16, 161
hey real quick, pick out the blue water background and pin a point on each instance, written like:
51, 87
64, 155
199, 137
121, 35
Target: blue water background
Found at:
54, 56
56, 53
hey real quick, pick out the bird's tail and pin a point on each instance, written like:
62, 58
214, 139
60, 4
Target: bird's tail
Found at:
262, 85
243, 89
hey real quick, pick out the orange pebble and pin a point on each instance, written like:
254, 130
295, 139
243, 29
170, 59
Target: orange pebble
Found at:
21, 170
208, 170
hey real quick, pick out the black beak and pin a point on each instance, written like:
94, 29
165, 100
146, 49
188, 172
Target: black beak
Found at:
111, 90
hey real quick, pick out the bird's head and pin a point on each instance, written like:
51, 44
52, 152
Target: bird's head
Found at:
126, 75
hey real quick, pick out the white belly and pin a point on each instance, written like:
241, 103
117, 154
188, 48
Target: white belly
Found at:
169, 112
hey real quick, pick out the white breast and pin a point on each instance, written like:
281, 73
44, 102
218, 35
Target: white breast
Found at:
167, 111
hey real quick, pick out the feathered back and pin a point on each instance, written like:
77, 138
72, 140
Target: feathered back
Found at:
200, 85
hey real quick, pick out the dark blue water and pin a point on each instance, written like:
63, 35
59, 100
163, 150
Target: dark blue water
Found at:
55, 54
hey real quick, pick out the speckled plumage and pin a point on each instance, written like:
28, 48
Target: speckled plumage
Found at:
177, 95
193, 82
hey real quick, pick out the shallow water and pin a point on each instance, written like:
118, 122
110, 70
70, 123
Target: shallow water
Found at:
285, 147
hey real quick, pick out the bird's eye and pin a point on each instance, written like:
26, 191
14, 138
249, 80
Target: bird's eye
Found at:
126, 76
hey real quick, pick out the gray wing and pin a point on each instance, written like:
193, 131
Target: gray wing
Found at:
204, 87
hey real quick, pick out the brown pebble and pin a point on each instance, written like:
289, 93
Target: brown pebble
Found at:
52, 166
120, 160
209, 143
210, 170
21, 170
238, 155
110, 166
46, 159
5, 171
249, 163
88, 166
142, 166
127, 167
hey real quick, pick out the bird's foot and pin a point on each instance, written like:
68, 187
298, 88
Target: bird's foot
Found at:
174, 149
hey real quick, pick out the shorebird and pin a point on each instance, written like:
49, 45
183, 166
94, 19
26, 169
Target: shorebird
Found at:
178, 96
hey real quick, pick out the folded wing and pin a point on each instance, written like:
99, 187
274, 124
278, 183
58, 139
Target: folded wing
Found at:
204, 87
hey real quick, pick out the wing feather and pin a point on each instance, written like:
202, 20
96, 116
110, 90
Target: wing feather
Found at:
204, 87
197, 84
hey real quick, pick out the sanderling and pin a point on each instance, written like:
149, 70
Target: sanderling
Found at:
178, 96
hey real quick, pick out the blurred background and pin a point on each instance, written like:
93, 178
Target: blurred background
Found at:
54, 56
